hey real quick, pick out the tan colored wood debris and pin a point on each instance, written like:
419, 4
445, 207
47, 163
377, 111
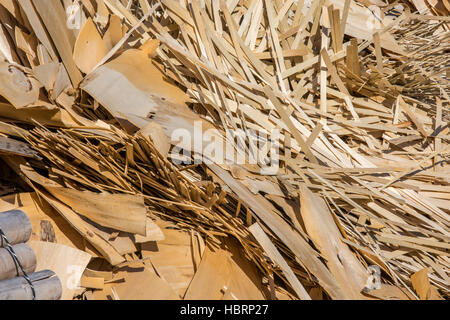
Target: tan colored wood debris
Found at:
353, 97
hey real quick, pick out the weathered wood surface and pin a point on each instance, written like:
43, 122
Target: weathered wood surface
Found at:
46, 285
8, 267
16, 226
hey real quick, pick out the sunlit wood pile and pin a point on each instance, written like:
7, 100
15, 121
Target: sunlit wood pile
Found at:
350, 97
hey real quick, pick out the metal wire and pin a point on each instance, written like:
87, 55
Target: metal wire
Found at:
17, 262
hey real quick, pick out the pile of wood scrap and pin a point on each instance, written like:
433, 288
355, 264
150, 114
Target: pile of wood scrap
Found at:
340, 110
